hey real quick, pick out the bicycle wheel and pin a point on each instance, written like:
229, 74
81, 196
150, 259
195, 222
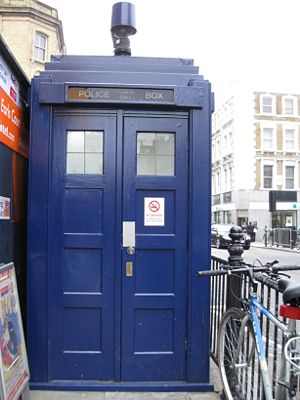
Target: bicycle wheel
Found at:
238, 360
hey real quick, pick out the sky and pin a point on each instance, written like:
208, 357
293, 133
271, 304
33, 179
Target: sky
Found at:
228, 39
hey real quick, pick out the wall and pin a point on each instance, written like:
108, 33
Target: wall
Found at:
19, 20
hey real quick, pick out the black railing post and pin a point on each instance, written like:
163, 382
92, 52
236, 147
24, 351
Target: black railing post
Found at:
266, 236
235, 259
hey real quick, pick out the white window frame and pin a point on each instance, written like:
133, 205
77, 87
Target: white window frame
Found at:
43, 49
274, 173
291, 128
294, 165
230, 171
273, 104
218, 182
274, 142
295, 105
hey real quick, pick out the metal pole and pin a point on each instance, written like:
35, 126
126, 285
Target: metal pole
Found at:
235, 259
266, 236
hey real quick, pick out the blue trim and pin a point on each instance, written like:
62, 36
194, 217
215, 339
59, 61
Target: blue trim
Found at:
199, 236
118, 255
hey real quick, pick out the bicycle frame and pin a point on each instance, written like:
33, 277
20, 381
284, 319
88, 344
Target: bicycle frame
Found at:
254, 305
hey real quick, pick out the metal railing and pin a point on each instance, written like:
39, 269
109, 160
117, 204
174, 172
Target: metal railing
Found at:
285, 237
221, 296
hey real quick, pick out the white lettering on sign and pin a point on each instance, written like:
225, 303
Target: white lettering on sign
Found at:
94, 93
154, 95
154, 211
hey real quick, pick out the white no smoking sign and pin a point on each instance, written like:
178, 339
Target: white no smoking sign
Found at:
154, 211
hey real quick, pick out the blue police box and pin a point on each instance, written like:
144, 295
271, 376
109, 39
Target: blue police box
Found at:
119, 223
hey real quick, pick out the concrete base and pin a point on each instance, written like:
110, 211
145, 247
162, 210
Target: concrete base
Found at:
58, 395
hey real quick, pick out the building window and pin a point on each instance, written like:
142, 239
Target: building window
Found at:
268, 176
40, 42
267, 139
289, 177
267, 105
289, 104
218, 183
230, 179
85, 152
156, 153
289, 139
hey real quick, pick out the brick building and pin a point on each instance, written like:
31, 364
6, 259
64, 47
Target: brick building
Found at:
32, 31
256, 158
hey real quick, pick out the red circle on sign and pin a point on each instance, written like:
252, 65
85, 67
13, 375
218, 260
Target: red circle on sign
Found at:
154, 206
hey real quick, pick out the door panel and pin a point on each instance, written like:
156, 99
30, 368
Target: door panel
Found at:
82, 248
154, 308
83, 280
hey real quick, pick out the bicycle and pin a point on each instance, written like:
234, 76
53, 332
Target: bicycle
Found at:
241, 352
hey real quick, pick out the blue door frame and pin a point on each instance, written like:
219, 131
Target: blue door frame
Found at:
84, 274
154, 307
82, 257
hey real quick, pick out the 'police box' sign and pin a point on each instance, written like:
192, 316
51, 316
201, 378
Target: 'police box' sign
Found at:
107, 94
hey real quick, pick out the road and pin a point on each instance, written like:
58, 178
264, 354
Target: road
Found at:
264, 255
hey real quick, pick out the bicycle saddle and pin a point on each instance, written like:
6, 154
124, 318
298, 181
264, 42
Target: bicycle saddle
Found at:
290, 291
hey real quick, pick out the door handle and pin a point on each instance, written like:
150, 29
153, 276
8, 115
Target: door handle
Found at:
129, 268
130, 250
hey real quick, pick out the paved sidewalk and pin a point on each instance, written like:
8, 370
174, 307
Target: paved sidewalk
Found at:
262, 245
55, 395
39, 395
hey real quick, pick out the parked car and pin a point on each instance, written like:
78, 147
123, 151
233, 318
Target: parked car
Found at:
220, 236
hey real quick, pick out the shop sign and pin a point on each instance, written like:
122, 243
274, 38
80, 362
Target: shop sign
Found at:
288, 205
11, 115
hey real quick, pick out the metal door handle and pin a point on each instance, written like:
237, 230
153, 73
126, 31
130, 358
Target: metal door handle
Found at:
130, 250
129, 268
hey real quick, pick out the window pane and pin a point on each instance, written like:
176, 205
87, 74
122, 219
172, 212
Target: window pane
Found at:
165, 165
289, 106
156, 154
75, 163
289, 172
86, 147
75, 141
268, 176
93, 163
40, 42
289, 139
146, 164
267, 138
94, 142
267, 104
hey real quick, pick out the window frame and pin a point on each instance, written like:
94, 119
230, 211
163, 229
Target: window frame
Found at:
262, 105
268, 176
295, 141
294, 165
267, 163
38, 34
273, 144
284, 108
157, 155
286, 178
84, 152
